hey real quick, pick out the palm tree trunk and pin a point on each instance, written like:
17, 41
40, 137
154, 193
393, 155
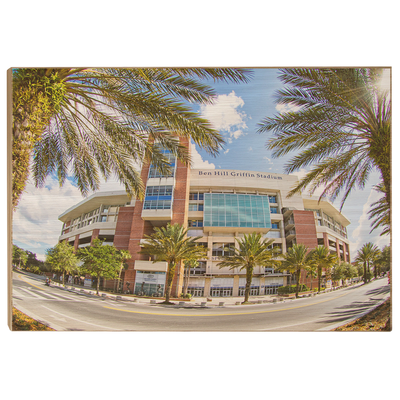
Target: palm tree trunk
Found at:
297, 282
365, 272
170, 278
249, 277
185, 281
319, 271
369, 272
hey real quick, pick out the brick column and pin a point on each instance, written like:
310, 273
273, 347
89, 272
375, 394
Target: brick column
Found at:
345, 252
138, 228
95, 235
306, 233
338, 249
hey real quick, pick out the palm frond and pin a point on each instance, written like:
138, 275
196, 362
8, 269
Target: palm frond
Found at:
379, 212
103, 115
342, 128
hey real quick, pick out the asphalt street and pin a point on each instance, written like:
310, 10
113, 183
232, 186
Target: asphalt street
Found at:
77, 311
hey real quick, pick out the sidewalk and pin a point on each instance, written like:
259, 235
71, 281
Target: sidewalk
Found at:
194, 302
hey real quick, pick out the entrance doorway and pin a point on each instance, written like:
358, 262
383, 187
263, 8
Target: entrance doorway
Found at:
254, 291
271, 289
196, 292
221, 292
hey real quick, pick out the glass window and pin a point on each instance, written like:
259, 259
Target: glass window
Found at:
223, 249
236, 210
159, 190
274, 210
272, 199
157, 205
273, 234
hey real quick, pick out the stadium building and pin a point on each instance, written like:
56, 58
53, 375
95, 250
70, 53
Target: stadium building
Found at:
218, 206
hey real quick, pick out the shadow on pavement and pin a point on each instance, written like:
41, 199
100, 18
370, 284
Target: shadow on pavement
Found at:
381, 290
351, 310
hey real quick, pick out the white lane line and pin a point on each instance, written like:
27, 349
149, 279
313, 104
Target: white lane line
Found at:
18, 293
47, 296
31, 293
289, 326
84, 322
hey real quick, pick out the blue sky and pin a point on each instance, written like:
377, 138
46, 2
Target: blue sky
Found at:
236, 112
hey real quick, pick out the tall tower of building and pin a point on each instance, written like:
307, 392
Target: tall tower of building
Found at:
166, 199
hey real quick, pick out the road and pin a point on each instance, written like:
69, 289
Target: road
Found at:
68, 311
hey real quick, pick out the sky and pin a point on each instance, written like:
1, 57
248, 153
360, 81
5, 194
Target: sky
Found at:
235, 113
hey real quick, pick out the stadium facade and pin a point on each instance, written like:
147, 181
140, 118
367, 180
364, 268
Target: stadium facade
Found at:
218, 205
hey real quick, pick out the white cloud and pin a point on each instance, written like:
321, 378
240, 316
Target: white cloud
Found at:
250, 149
225, 116
226, 151
236, 134
285, 108
197, 161
35, 222
269, 161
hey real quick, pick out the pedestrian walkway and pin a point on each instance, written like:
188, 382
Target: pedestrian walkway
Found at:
193, 302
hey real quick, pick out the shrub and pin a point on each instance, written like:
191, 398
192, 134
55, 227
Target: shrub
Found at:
291, 289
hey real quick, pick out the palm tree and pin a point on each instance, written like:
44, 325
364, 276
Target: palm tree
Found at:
380, 212
295, 260
312, 272
252, 251
342, 126
366, 255
384, 259
321, 257
97, 122
170, 244
123, 255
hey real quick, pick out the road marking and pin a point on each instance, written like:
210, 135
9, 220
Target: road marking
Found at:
84, 322
225, 314
288, 326
31, 292
20, 277
60, 295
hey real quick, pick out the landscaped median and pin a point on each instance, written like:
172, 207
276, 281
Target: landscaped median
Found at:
379, 319
21, 322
